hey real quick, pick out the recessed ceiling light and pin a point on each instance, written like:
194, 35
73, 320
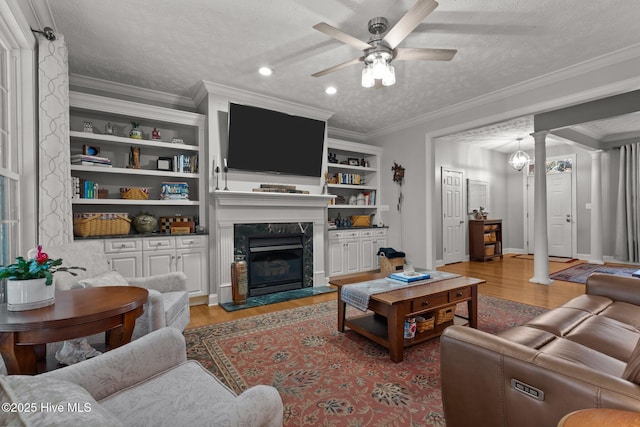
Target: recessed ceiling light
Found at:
265, 71
331, 90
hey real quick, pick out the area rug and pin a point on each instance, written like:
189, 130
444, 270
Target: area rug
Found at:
579, 273
330, 378
551, 258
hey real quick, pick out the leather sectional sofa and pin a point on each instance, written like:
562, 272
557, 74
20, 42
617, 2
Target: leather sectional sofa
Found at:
583, 354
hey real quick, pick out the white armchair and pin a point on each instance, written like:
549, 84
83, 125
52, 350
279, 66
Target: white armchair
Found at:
168, 302
148, 382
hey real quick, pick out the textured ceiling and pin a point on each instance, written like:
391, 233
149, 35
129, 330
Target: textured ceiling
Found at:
170, 45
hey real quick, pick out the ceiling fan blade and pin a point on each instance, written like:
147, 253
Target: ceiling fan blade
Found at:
341, 35
338, 67
425, 54
409, 21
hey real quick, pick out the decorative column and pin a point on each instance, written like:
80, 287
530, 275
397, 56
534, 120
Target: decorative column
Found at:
596, 208
540, 233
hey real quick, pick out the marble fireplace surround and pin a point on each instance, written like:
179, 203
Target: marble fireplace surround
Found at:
245, 207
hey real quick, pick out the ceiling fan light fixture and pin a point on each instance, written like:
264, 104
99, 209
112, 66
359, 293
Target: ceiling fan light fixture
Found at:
265, 71
367, 77
519, 159
390, 77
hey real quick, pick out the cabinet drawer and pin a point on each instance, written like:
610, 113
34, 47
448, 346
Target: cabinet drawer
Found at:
191, 242
351, 234
429, 302
159, 243
112, 246
335, 235
459, 294
382, 232
366, 233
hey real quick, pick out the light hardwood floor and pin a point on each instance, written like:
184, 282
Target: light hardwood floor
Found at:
508, 279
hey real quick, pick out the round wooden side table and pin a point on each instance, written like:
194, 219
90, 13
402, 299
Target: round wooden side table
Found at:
600, 417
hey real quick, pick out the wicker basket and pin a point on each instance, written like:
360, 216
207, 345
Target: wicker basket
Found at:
391, 265
134, 193
489, 250
445, 314
101, 224
423, 325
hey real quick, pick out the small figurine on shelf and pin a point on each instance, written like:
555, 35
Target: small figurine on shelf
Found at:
88, 127
136, 132
333, 158
134, 158
155, 134
108, 129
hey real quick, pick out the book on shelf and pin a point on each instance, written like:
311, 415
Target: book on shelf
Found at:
88, 163
185, 163
87, 158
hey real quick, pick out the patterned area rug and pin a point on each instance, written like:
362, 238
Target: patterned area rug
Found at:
579, 273
330, 378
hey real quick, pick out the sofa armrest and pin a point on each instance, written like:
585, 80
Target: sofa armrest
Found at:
124, 366
477, 370
259, 406
169, 282
618, 288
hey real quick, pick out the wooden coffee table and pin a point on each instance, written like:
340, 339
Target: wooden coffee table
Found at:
76, 313
385, 325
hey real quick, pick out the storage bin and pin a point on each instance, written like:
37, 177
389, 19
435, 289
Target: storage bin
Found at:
101, 224
490, 237
489, 250
425, 324
391, 265
361, 220
445, 314
134, 193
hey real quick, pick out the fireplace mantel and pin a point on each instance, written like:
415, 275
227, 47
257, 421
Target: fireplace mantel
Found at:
248, 207
256, 198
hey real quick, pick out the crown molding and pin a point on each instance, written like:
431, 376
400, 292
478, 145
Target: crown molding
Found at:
243, 96
348, 134
93, 84
573, 71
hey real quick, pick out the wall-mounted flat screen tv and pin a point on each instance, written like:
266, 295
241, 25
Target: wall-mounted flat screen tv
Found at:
262, 140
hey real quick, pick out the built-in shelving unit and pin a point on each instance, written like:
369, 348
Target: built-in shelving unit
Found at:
358, 163
172, 124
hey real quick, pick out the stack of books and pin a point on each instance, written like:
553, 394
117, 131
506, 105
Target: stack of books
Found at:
185, 163
84, 189
407, 278
86, 160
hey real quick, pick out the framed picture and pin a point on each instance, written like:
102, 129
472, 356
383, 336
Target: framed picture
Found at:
353, 161
165, 164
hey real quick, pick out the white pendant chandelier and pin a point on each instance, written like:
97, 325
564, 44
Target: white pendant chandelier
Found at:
519, 159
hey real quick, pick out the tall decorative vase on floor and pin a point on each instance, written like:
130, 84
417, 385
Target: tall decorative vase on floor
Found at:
29, 294
239, 281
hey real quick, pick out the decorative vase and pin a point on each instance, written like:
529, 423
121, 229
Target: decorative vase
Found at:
145, 223
29, 294
239, 281
135, 132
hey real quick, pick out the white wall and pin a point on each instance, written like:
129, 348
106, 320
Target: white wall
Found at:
413, 146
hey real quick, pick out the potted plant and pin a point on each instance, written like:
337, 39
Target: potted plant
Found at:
30, 281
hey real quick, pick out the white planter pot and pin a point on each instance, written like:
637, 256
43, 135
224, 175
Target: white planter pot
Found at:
29, 294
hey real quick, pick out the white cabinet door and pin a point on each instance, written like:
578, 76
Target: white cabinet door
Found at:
127, 264
366, 254
352, 255
336, 258
158, 262
193, 262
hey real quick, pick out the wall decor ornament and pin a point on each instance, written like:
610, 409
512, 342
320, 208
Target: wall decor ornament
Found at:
398, 177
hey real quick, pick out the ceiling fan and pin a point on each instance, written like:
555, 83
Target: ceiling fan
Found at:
382, 48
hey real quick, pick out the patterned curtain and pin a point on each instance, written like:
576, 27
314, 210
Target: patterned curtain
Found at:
54, 174
628, 212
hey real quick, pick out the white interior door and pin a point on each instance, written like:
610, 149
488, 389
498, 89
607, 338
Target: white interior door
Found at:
453, 216
559, 214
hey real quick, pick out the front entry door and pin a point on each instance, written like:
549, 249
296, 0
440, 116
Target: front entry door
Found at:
559, 221
453, 217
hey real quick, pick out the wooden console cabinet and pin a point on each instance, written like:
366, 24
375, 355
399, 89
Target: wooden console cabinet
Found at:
485, 239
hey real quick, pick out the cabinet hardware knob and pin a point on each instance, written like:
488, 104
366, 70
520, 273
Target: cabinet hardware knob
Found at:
425, 303
122, 245
459, 294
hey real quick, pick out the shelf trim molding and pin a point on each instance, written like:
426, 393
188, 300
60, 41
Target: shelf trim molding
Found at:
251, 198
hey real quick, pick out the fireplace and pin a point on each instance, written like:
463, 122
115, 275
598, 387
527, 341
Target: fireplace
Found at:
275, 263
